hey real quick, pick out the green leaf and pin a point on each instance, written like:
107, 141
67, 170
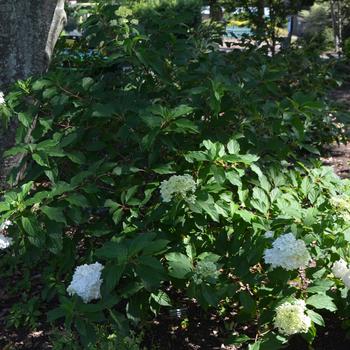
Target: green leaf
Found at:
151, 272
209, 295
15, 150
321, 301
248, 303
106, 110
347, 235
238, 339
316, 318
185, 126
161, 298
55, 236
113, 250
206, 203
233, 147
245, 159
87, 83
156, 247
260, 200
25, 119
29, 226
4, 206
179, 265
181, 110
272, 341
320, 286
234, 178
77, 199
117, 215
112, 274
47, 144
36, 235
41, 159
77, 157
219, 174
41, 83
255, 346
55, 314
50, 92
164, 169
106, 303
140, 242
55, 214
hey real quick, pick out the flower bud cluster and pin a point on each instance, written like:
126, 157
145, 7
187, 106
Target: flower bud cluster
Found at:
205, 271
342, 204
183, 185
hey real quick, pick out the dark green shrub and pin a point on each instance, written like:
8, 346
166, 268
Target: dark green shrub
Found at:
347, 47
109, 132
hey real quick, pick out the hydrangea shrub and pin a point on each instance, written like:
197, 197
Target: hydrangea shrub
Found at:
158, 172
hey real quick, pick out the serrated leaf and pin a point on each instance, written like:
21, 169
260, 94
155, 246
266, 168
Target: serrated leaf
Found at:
113, 250
161, 298
155, 247
321, 301
55, 214
77, 199
180, 265
233, 147
316, 318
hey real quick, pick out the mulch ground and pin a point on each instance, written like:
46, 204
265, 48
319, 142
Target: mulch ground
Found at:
338, 156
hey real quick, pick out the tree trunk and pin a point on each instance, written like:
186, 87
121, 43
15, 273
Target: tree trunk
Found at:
335, 26
292, 19
29, 30
340, 26
260, 15
216, 13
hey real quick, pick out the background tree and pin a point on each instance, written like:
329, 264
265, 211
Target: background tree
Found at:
29, 31
265, 27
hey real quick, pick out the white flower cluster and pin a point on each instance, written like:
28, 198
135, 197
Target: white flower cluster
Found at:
5, 241
2, 99
183, 185
86, 282
205, 271
268, 234
5, 225
291, 319
288, 253
340, 270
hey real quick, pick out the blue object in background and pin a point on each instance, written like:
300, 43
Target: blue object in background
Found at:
238, 32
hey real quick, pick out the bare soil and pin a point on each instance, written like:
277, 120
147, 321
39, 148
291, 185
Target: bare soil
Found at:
338, 156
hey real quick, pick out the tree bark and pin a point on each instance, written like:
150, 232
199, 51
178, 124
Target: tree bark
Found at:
216, 13
29, 30
335, 26
340, 26
260, 15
